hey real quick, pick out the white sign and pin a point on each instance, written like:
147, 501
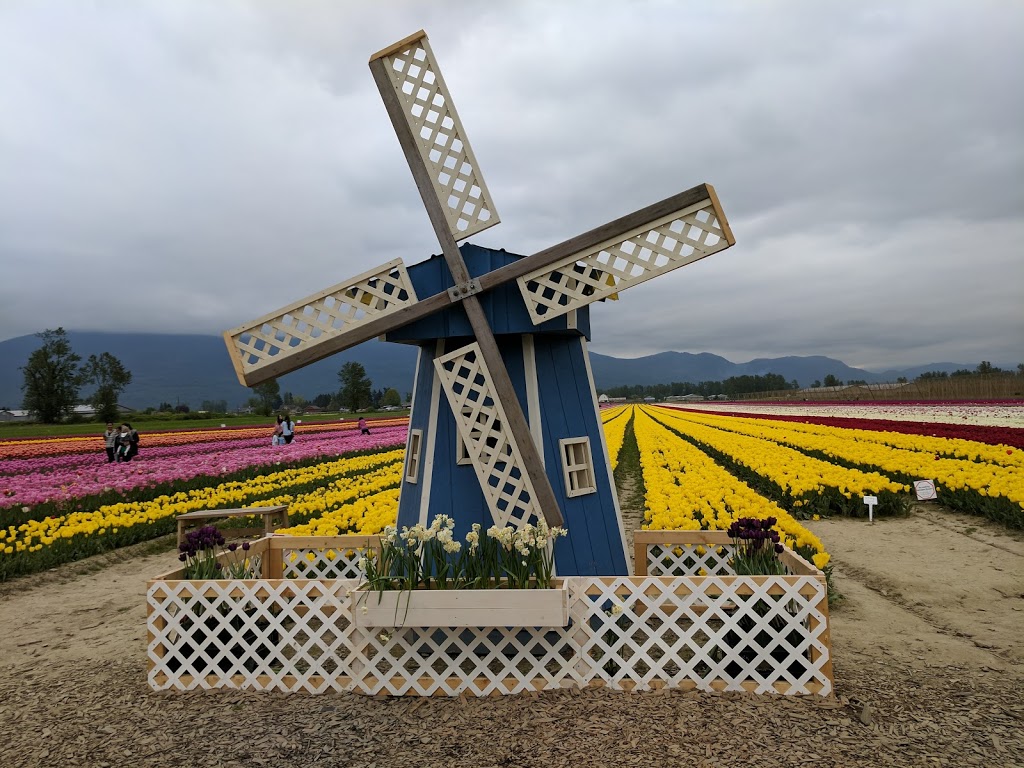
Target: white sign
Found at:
925, 490
871, 501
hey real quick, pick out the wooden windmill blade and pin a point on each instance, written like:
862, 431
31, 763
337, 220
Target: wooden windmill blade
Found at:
458, 204
494, 452
423, 103
607, 260
334, 319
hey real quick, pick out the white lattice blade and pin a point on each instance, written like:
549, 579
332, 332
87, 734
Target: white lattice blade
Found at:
491, 446
651, 249
440, 137
293, 332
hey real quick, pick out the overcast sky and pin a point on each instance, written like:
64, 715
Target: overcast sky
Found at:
187, 166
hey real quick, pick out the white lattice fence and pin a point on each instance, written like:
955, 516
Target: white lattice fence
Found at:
760, 633
690, 560
268, 635
322, 563
765, 634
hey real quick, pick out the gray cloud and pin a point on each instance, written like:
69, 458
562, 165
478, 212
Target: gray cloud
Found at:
187, 166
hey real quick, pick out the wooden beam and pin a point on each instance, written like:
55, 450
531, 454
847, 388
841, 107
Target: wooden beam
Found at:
639, 556
517, 423
608, 231
672, 537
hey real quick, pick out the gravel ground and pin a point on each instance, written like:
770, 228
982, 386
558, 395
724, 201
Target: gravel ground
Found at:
108, 717
913, 689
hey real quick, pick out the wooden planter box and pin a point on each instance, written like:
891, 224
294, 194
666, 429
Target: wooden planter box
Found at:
462, 607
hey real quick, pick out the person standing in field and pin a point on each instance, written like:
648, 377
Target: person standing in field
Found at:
363, 429
110, 440
133, 440
287, 429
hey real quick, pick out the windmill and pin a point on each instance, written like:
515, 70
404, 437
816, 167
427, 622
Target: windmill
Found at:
502, 336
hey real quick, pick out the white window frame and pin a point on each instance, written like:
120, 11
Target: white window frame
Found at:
412, 465
577, 466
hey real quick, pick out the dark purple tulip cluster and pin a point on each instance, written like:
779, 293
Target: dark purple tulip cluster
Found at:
199, 553
757, 546
758, 535
207, 537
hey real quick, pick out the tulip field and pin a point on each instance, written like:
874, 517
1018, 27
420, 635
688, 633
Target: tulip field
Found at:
60, 500
698, 467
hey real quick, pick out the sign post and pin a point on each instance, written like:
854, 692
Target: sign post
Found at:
871, 501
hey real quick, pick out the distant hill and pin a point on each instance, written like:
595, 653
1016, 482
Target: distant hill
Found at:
192, 368
666, 367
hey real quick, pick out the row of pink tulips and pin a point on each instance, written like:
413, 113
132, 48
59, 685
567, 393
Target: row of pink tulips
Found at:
63, 483
33, 447
97, 456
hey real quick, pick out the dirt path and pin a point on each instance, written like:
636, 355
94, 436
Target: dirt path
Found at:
928, 663
963, 578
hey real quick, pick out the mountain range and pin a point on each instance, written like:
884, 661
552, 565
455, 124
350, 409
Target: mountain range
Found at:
191, 368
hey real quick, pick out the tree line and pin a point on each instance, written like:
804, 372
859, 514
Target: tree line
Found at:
356, 393
773, 382
734, 385
54, 376
985, 368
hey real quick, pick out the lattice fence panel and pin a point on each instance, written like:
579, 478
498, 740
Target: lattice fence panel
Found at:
322, 563
441, 139
490, 444
322, 316
690, 560
658, 247
712, 633
639, 633
267, 635
479, 661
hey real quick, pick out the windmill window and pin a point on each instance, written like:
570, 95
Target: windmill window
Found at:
577, 466
412, 463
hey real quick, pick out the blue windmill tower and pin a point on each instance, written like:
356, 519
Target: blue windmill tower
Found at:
504, 427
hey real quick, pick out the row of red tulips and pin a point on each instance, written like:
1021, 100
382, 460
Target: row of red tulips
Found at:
1009, 436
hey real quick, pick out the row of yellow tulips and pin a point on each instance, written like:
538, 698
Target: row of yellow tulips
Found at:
985, 469
329, 492
366, 515
615, 421
687, 490
808, 481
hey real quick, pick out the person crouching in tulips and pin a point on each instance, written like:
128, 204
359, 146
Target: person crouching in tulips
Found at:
124, 445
